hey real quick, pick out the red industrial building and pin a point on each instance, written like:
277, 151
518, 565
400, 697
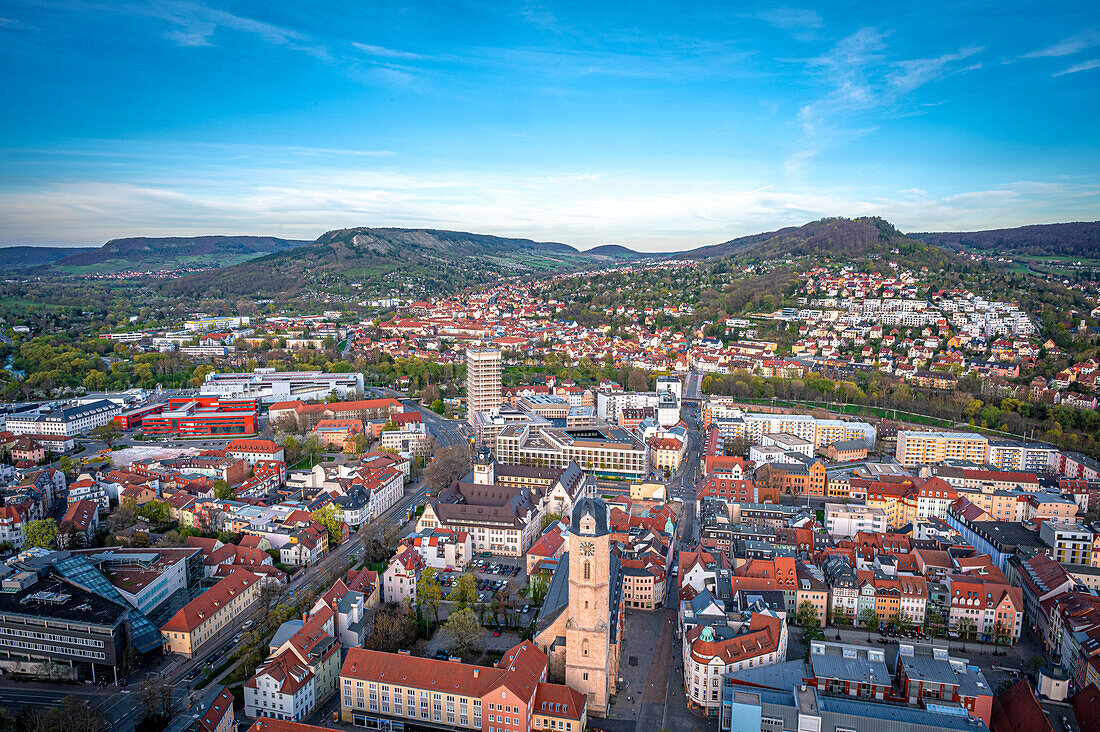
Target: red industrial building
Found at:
131, 419
204, 416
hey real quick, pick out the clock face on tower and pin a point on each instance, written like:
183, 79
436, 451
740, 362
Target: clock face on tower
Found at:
588, 548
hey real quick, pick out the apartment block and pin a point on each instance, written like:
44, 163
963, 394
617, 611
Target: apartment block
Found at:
922, 448
483, 393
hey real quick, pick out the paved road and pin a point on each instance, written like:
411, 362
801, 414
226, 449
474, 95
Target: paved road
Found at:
446, 431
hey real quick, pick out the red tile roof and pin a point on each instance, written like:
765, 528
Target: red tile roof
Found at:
215, 713
1018, 710
199, 610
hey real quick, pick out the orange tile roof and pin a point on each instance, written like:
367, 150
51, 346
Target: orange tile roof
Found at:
203, 607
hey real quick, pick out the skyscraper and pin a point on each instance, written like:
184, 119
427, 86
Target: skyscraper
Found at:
482, 382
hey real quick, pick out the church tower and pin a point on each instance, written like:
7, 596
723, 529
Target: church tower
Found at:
588, 664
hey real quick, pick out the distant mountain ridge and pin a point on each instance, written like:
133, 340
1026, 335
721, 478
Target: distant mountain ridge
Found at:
369, 256
1074, 239
21, 257
172, 250
441, 261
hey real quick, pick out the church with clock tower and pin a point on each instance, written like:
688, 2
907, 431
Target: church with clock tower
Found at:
580, 625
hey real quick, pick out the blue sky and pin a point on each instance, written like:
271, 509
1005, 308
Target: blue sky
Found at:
654, 125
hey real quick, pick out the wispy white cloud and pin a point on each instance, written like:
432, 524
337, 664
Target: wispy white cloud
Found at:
918, 72
1084, 66
1068, 46
383, 52
196, 25
846, 68
859, 77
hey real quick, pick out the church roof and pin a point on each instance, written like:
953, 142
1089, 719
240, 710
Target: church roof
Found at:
597, 508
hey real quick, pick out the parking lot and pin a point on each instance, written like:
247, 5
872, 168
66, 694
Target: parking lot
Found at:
493, 575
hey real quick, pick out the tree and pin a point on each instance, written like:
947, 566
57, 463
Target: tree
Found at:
41, 533
292, 451
438, 407
935, 622
499, 605
1001, 634
222, 491
67, 465
155, 697
537, 586
272, 594
448, 464
868, 618
428, 592
1034, 663
376, 547
465, 591
462, 632
394, 629
357, 444
172, 538
326, 516
74, 713
550, 518
108, 433
807, 616
313, 448
966, 628
636, 381
156, 512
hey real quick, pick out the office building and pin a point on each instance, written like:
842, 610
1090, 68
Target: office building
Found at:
67, 421
53, 626
203, 417
603, 451
266, 385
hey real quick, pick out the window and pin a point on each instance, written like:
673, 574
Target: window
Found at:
587, 570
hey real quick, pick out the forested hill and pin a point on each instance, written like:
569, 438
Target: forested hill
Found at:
1078, 239
373, 257
840, 237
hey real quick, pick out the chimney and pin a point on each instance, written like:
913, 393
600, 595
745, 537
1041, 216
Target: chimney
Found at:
476, 671
305, 618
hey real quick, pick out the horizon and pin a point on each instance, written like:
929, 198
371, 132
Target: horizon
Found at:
657, 128
581, 249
